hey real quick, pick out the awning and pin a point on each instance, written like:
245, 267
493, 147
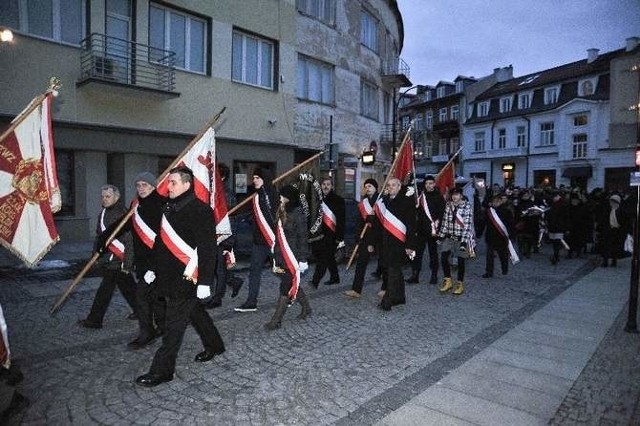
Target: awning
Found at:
573, 172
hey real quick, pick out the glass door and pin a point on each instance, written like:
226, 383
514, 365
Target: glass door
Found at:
118, 42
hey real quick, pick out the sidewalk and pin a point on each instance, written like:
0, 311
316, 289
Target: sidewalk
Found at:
524, 377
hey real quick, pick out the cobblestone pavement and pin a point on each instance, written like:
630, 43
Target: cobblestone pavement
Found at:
350, 363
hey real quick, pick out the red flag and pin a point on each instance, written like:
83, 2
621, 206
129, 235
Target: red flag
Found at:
207, 182
29, 191
446, 179
404, 162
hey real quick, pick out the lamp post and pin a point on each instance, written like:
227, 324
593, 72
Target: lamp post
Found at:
396, 119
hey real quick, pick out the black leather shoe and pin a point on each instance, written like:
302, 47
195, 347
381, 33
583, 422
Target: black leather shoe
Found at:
237, 285
205, 356
140, 343
88, 324
150, 380
332, 281
385, 306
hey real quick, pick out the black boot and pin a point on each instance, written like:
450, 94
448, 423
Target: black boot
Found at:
281, 308
413, 279
304, 303
434, 277
605, 262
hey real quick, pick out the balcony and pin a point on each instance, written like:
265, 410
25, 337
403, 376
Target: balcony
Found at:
395, 73
117, 62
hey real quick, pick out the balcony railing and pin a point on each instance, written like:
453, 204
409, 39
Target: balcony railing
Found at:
110, 59
394, 67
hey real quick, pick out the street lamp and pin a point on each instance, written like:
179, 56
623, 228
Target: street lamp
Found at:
368, 158
396, 120
6, 35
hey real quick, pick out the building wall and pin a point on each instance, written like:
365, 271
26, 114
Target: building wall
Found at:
625, 92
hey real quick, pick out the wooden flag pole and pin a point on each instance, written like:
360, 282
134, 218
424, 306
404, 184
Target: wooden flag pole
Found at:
276, 180
389, 175
127, 216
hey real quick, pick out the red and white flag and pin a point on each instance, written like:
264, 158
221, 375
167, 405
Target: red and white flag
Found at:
207, 183
446, 179
29, 191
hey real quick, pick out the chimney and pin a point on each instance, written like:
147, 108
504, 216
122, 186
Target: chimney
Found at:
592, 55
504, 74
632, 43
420, 89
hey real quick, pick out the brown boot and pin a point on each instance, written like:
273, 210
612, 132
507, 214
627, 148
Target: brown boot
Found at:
446, 285
281, 308
459, 289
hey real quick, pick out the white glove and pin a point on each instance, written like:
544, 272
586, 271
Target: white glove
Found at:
410, 191
303, 266
203, 292
340, 245
149, 277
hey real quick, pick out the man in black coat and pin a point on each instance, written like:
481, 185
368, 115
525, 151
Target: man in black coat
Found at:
398, 241
430, 210
185, 255
325, 245
499, 221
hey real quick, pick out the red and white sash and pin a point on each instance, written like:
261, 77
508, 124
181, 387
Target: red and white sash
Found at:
115, 246
143, 231
502, 229
263, 225
434, 223
366, 210
328, 217
289, 259
392, 224
180, 249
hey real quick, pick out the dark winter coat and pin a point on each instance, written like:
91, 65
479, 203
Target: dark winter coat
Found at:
268, 203
493, 237
295, 231
393, 250
373, 236
336, 204
436, 204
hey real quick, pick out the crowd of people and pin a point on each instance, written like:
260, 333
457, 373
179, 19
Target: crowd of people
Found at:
165, 257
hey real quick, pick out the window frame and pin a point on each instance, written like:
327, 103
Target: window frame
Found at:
483, 109
521, 136
577, 122
307, 61
260, 39
443, 146
579, 147
428, 119
367, 87
524, 100
506, 104
551, 95
547, 135
479, 139
370, 40
502, 138
441, 92
442, 115
459, 86
317, 9
455, 112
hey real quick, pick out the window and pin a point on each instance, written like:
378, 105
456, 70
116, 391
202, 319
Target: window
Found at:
428, 149
479, 141
455, 112
181, 33
455, 145
59, 20
505, 105
546, 134
419, 122
322, 10
580, 145
521, 139
580, 120
427, 95
440, 92
459, 86
524, 100
551, 95
443, 115
429, 120
586, 88
502, 138
405, 120
252, 60
369, 30
418, 150
442, 148
483, 109
315, 80
368, 100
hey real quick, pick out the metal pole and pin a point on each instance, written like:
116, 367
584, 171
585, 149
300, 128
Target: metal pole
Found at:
632, 326
395, 123
331, 145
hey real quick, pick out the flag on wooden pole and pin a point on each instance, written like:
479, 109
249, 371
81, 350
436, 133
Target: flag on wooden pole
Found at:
29, 191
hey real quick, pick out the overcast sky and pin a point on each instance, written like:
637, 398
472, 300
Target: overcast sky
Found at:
447, 38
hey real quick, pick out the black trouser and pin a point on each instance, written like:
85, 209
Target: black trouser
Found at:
221, 277
324, 251
149, 306
361, 268
180, 312
432, 245
503, 254
446, 267
111, 279
392, 276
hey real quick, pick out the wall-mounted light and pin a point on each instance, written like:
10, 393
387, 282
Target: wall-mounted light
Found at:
368, 158
6, 35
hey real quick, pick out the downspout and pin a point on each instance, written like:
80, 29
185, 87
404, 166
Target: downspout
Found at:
526, 181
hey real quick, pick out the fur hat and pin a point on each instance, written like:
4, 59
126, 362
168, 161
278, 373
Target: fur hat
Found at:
371, 182
289, 192
147, 177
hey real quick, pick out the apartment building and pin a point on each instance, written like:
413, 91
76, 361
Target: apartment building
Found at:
567, 125
140, 78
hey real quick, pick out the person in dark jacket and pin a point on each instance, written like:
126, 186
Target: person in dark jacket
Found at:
495, 237
527, 224
429, 215
331, 236
263, 237
144, 226
580, 226
119, 263
611, 225
398, 242
371, 240
291, 253
557, 220
185, 269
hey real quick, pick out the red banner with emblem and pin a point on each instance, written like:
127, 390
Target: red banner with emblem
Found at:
29, 192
